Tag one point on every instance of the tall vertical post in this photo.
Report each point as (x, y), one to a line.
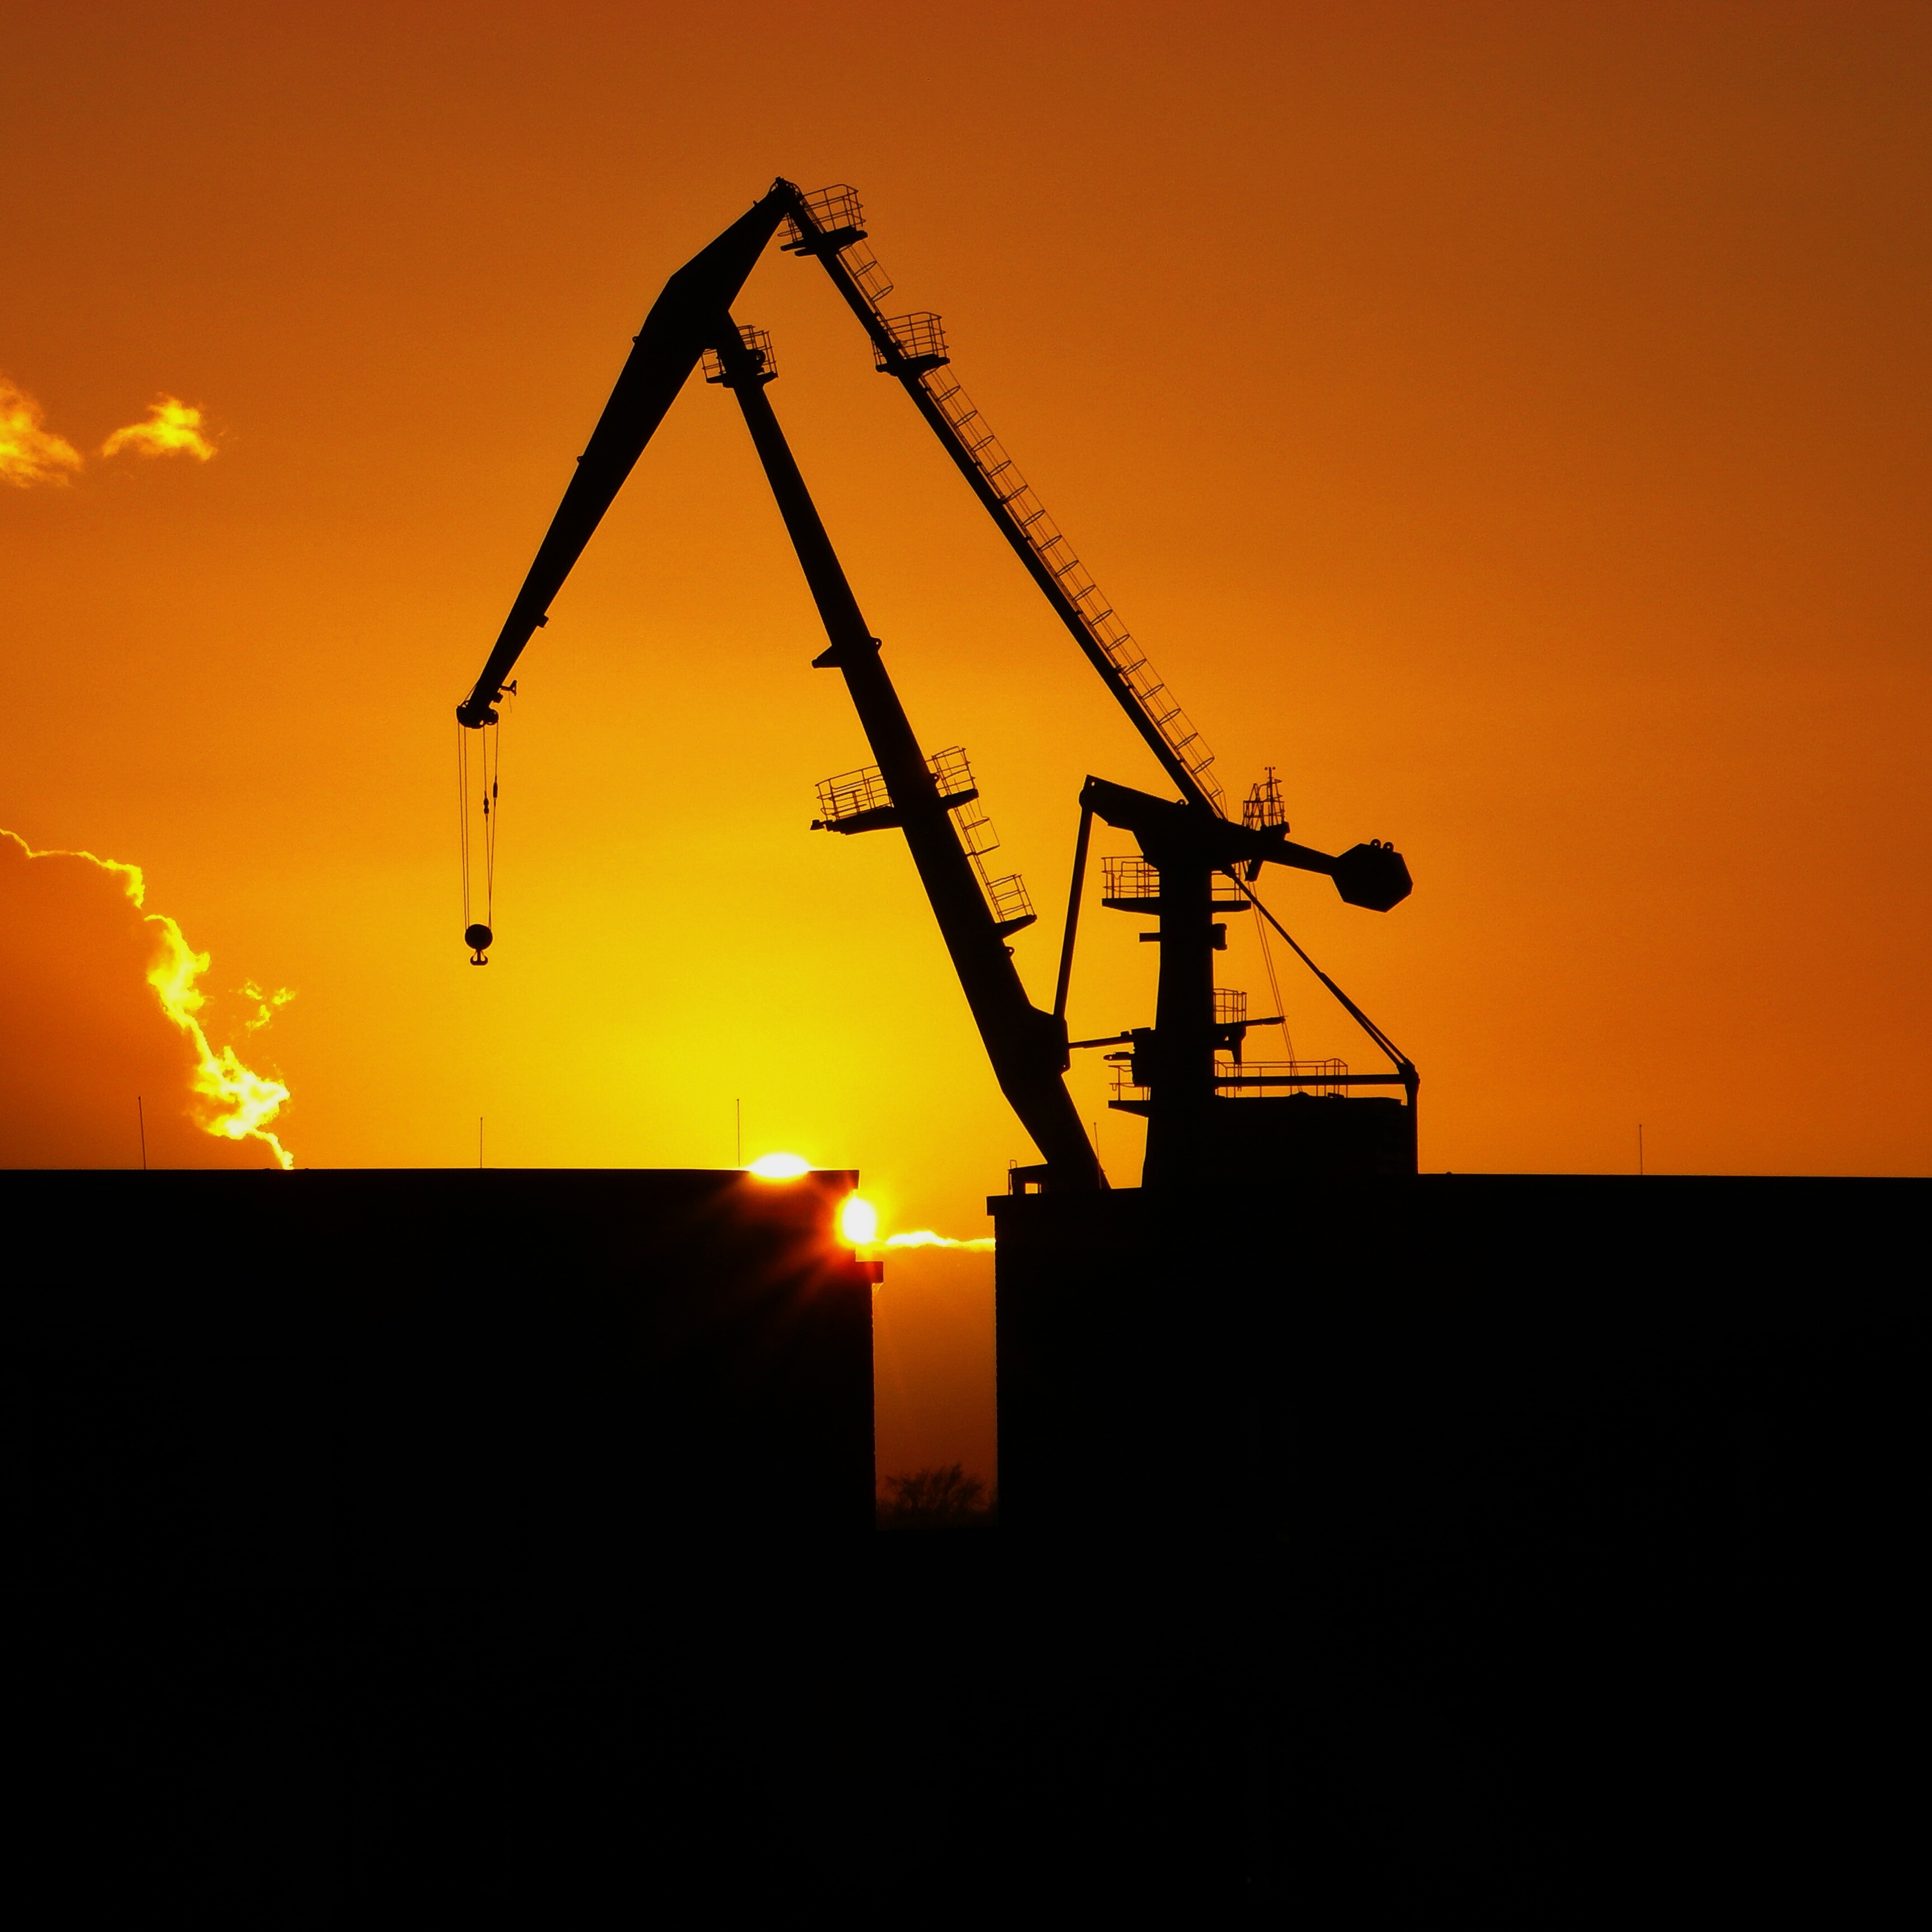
(1066, 979)
(1183, 1083)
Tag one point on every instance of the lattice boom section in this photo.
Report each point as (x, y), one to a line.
(1008, 897)
(1046, 540)
(836, 211)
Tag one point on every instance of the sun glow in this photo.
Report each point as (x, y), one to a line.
(858, 1222)
(779, 1167)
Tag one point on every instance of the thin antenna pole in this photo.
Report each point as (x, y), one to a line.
(141, 1115)
(479, 1140)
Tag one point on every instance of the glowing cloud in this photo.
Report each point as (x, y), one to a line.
(172, 427)
(31, 453)
(240, 1102)
(244, 1102)
(267, 1005)
(924, 1237)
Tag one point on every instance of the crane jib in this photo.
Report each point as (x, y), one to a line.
(664, 352)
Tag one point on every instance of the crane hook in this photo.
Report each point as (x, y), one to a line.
(477, 938)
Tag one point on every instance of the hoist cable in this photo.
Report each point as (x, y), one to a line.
(462, 815)
(1274, 984)
(492, 768)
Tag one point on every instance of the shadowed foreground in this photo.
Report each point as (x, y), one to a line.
(402, 1546)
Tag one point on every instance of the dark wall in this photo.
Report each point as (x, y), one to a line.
(398, 1547)
(1393, 1360)
(1531, 1538)
(446, 1377)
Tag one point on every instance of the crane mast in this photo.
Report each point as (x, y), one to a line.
(1027, 1048)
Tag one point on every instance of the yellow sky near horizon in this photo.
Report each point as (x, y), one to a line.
(1509, 422)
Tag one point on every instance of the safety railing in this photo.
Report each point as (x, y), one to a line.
(841, 225)
(1263, 808)
(758, 345)
(1327, 1078)
(861, 801)
(837, 218)
(1130, 885)
(920, 340)
(1011, 904)
(847, 795)
(950, 771)
(1028, 515)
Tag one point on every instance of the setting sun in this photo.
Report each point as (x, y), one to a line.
(858, 1221)
(779, 1167)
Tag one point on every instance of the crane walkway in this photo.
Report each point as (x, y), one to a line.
(912, 348)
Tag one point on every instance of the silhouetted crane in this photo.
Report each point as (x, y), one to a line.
(1170, 1071)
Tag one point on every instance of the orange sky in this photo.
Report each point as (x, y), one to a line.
(1511, 422)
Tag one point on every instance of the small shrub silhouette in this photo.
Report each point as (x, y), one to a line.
(944, 1497)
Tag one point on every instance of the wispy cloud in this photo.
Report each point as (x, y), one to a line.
(30, 452)
(266, 1004)
(244, 1101)
(173, 428)
(924, 1237)
(230, 1099)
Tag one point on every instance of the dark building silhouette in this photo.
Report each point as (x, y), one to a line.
(1533, 1543)
(386, 1548)
(400, 1544)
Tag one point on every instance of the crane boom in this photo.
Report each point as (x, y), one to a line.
(1027, 1048)
(1017, 513)
(663, 355)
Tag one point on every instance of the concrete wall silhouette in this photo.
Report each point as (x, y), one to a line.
(1514, 1538)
